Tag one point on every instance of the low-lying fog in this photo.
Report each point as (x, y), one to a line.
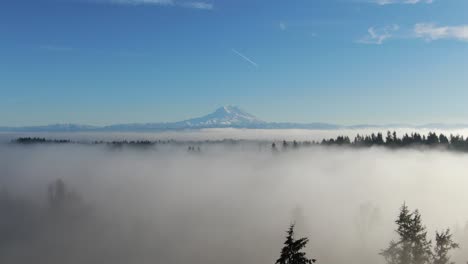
(227, 133)
(226, 204)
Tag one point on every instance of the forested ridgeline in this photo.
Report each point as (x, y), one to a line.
(391, 140)
(455, 142)
(38, 140)
(113, 143)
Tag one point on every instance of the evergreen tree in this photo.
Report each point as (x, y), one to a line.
(407, 140)
(444, 244)
(291, 252)
(389, 140)
(295, 144)
(421, 246)
(432, 139)
(412, 246)
(443, 139)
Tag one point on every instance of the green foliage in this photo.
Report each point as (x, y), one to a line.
(444, 244)
(413, 247)
(457, 143)
(291, 252)
(37, 140)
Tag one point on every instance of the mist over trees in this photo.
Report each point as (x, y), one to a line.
(390, 140)
(225, 204)
(413, 245)
(453, 142)
(26, 221)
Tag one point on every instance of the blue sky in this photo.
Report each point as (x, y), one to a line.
(340, 61)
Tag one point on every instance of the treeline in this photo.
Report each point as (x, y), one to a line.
(391, 140)
(454, 142)
(37, 140)
(141, 143)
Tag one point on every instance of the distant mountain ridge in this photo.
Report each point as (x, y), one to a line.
(223, 117)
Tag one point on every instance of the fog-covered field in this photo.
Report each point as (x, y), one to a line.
(225, 204)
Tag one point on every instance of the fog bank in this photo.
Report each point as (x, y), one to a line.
(222, 205)
(227, 133)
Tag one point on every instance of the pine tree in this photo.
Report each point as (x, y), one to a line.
(444, 244)
(291, 252)
(421, 246)
(412, 246)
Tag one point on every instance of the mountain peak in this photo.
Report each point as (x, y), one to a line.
(230, 110)
(228, 116)
(224, 116)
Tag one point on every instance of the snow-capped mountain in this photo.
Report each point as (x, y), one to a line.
(226, 116)
(223, 117)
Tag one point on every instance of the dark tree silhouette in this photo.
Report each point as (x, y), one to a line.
(291, 252)
(390, 140)
(432, 140)
(443, 139)
(444, 244)
(412, 246)
(295, 144)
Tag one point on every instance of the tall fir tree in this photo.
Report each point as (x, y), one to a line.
(291, 252)
(444, 243)
(421, 247)
(412, 246)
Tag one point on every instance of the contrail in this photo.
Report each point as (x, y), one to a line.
(245, 58)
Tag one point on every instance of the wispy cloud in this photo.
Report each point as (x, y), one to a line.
(430, 32)
(198, 5)
(245, 58)
(186, 4)
(377, 36)
(408, 2)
